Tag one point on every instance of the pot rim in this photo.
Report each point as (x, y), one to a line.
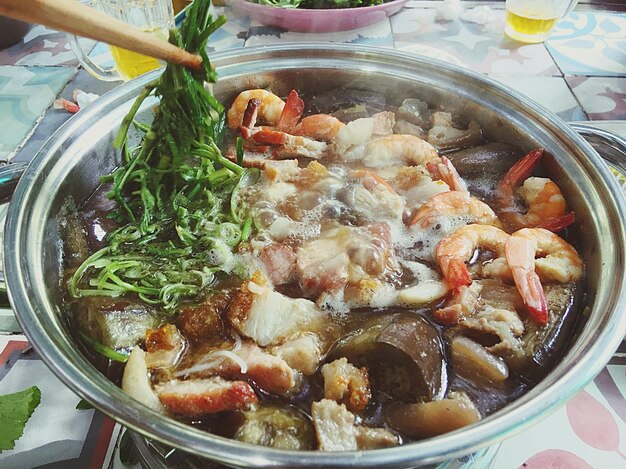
(110, 399)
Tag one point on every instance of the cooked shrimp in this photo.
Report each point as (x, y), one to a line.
(289, 145)
(454, 203)
(536, 254)
(546, 204)
(398, 150)
(444, 171)
(355, 135)
(459, 247)
(373, 198)
(270, 110)
(319, 127)
(371, 179)
(294, 107)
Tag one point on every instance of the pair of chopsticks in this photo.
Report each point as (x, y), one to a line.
(73, 17)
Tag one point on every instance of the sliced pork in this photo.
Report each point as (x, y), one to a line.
(345, 383)
(198, 397)
(269, 317)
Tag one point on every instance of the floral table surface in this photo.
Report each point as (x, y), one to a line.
(579, 74)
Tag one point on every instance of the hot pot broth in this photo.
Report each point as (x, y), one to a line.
(340, 314)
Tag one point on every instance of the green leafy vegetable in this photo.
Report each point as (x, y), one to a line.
(83, 405)
(15, 410)
(174, 191)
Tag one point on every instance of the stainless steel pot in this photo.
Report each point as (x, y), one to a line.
(70, 163)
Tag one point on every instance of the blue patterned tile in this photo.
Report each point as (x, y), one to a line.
(25, 93)
(590, 44)
(550, 92)
(482, 48)
(602, 98)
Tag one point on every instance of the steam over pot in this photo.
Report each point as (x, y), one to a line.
(71, 161)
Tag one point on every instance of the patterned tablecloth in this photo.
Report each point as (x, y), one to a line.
(579, 74)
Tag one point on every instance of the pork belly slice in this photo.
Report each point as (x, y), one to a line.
(164, 346)
(342, 255)
(279, 261)
(203, 322)
(374, 201)
(345, 383)
(198, 397)
(303, 352)
(270, 373)
(281, 170)
(336, 430)
(269, 317)
(334, 426)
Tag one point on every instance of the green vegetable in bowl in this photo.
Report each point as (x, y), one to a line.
(319, 4)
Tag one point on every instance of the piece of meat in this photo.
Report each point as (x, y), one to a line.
(164, 346)
(336, 431)
(281, 170)
(279, 261)
(303, 352)
(347, 384)
(198, 397)
(374, 438)
(444, 136)
(505, 326)
(374, 202)
(136, 380)
(75, 243)
(203, 322)
(334, 426)
(268, 372)
(269, 317)
(322, 264)
(341, 255)
(114, 322)
(461, 306)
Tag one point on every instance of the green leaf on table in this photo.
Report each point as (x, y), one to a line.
(15, 410)
(83, 405)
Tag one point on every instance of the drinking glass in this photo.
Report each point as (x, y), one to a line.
(533, 20)
(153, 16)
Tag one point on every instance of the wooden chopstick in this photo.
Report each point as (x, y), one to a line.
(73, 17)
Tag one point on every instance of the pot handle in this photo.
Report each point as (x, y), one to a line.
(10, 174)
(611, 147)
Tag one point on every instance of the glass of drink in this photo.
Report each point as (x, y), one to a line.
(533, 20)
(153, 16)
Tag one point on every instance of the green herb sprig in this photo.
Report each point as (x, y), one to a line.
(15, 410)
(179, 220)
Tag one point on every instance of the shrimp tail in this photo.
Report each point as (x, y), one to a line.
(294, 107)
(446, 172)
(520, 255)
(520, 170)
(557, 224)
(457, 274)
(529, 285)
